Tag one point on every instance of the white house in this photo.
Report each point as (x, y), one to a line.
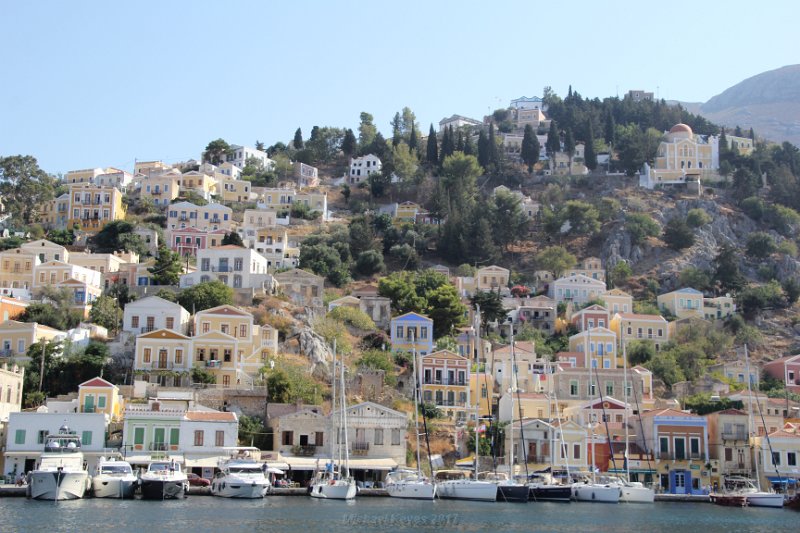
(377, 432)
(181, 215)
(237, 267)
(27, 432)
(204, 435)
(239, 155)
(577, 288)
(152, 313)
(362, 167)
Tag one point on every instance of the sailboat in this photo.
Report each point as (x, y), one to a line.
(406, 483)
(335, 482)
(458, 484)
(592, 491)
(632, 491)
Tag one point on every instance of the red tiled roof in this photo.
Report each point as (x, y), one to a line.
(96, 382)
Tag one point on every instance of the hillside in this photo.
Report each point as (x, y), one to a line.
(768, 102)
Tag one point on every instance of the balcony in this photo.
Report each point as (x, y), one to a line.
(308, 450)
(453, 382)
(221, 268)
(158, 447)
(162, 365)
(735, 435)
(685, 457)
(6, 353)
(359, 448)
(147, 329)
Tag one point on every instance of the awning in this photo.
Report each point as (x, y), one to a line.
(204, 461)
(785, 480)
(314, 463)
(146, 459)
(281, 466)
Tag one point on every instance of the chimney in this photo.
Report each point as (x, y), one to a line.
(155, 406)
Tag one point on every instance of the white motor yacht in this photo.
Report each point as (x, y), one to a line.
(409, 484)
(239, 478)
(61, 474)
(458, 485)
(114, 479)
(164, 480)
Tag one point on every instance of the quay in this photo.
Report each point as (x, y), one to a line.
(694, 498)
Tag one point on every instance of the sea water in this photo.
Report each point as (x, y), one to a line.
(303, 515)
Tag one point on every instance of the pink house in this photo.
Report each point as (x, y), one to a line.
(187, 241)
(786, 369)
(591, 317)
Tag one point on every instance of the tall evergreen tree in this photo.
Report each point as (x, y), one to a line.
(738, 131)
(445, 144)
(469, 146)
(167, 268)
(397, 129)
(432, 152)
(298, 139)
(483, 150)
(349, 143)
(569, 142)
(460, 141)
(752, 135)
(553, 143)
(610, 129)
(530, 148)
(589, 154)
(412, 138)
(494, 156)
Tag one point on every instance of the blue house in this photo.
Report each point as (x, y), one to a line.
(412, 331)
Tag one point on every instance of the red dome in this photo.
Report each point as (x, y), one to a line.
(681, 128)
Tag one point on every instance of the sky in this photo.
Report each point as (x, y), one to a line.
(97, 83)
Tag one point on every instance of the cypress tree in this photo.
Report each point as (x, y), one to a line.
(469, 147)
(589, 153)
(412, 138)
(530, 148)
(483, 150)
(569, 143)
(494, 157)
(349, 143)
(298, 139)
(752, 135)
(445, 143)
(553, 143)
(432, 152)
(610, 129)
(460, 141)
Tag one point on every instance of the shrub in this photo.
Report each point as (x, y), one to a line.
(697, 217)
(678, 235)
(641, 226)
(352, 317)
(760, 245)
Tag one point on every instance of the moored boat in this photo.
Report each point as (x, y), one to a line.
(409, 484)
(458, 485)
(240, 478)
(114, 479)
(60, 474)
(163, 480)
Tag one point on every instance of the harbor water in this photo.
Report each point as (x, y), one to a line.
(301, 514)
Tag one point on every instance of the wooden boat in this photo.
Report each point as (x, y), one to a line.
(729, 500)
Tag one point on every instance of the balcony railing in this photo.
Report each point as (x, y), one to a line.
(158, 447)
(6, 353)
(359, 448)
(308, 450)
(685, 457)
(735, 435)
(459, 382)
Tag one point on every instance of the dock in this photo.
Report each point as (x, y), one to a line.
(693, 498)
(13, 491)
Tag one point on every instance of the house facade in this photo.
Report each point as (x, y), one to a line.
(410, 332)
(362, 167)
(578, 289)
(152, 313)
(301, 286)
(209, 217)
(236, 267)
(100, 396)
(86, 205)
(492, 278)
(446, 383)
(729, 442)
(633, 326)
(683, 303)
(599, 343)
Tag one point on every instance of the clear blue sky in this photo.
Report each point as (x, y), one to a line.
(95, 84)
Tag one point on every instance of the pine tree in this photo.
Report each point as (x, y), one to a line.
(589, 154)
(397, 129)
(349, 143)
(530, 148)
(451, 146)
(167, 268)
(298, 139)
(432, 152)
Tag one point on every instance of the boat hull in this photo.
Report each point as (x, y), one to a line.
(225, 488)
(484, 491)
(551, 493)
(728, 500)
(339, 490)
(765, 500)
(513, 493)
(113, 487)
(596, 493)
(637, 495)
(47, 485)
(163, 489)
(412, 490)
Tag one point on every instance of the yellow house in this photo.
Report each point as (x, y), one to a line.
(85, 175)
(150, 168)
(718, 308)
(16, 337)
(161, 188)
(682, 152)
(99, 396)
(161, 352)
(201, 183)
(16, 269)
(601, 344)
(683, 303)
(617, 301)
(481, 387)
(492, 278)
(632, 326)
(406, 213)
(88, 206)
(233, 190)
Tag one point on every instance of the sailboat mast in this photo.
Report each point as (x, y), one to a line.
(477, 362)
(416, 399)
(513, 392)
(334, 435)
(344, 422)
(750, 427)
(625, 396)
(590, 395)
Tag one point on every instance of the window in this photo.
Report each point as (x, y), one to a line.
(573, 387)
(776, 458)
(378, 437)
(287, 438)
(399, 332)
(791, 458)
(86, 438)
(395, 437)
(423, 332)
(198, 437)
(609, 388)
(680, 448)
(219, 438)
(319, 438)
(174, 436)
(101, 401)
(19, 437)
(178, 357)
(663, 443)
(694, 447)
(147, 355)
(206, 327)
(243, 330)
(42, 435)
(576, 451)
(170, 322)
(201, 354)
(138, 435)
(151, 323)
(135, 321)
(728, 454)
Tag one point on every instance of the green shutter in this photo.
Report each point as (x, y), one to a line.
(19, 437)
(86, 438)
(138, 435)
(101, 401)
(174, 436)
